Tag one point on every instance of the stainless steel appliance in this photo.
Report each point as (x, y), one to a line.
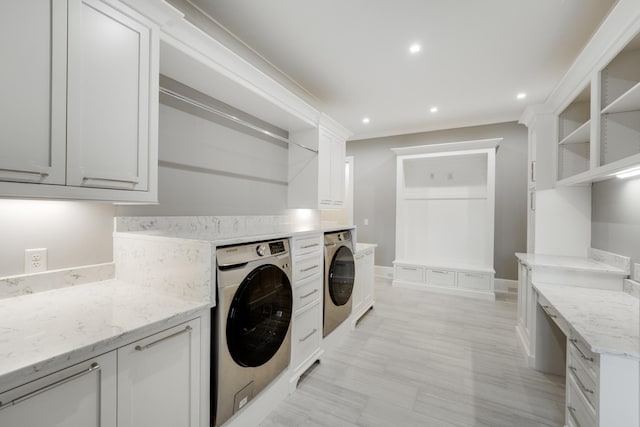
(339, 273)
(252, 331)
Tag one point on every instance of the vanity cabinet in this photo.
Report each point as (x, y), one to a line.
(364, 282)
(308, 279)
(159, 379)
(83, 395)
(79, 120)
(317, 172)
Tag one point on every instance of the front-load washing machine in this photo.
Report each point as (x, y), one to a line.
(252, 332)
(339, 274)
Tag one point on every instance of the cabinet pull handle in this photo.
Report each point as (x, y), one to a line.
(309, 268)
(584, 356)
(582, 387)
(94, 367)
(546, 309)
(25, 174)
(440, 272)
(309, 294)
(309, 246)
(308, 335)
(571, 409)
(409, 268)
(132, 181)
(151, 344)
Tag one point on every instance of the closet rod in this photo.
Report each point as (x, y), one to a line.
(231, 117)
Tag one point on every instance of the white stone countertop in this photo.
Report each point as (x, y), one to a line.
(361, 247)
(609, 321)
(568, 262)
(215, 239)
(46, 329)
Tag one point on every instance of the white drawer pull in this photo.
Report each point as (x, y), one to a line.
(310, 268)
(94, 367)
(151, 344)
(440, 271)
(585, 357)
(409, 268)
(309, 294)
(582, 387)
(309, 335)
(309, 246)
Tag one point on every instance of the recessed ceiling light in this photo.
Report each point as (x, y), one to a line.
(521, 95)
(365, 120)
(434, 109)
(414, 48)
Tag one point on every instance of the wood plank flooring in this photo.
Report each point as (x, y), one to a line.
(424, 359)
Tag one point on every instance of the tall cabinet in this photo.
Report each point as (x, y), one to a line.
(445, 202)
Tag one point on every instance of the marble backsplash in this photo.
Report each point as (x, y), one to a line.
(181, 267)
(13, 286)
(632, 287)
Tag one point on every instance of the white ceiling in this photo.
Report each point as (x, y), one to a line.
(353, 57)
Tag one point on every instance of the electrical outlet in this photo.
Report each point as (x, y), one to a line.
(636, 272)
(366, 221)
(35, 260)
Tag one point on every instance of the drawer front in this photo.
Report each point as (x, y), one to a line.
(441, 277)
(307, 334)
(307, 292)
(583, 377)
(589, 359)
(578, 409)
(409, 273)
(476, 281)
(306, 267)
(307, 245)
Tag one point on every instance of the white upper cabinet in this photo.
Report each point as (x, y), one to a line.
(79, 106)
(32, 105)
(108, 104)
(317, 179)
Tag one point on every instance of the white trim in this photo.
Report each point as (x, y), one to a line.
(448, 148)
(505, 285)
(483, 295)
(384, 272)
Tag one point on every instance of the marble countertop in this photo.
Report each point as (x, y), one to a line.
(361, 247)
(42, 331)
(608, 320)
(568, 262)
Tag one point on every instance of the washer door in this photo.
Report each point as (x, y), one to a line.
(259, 316)
(341, 275)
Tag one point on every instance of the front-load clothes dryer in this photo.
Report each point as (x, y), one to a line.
(339, 274)
(252, 332)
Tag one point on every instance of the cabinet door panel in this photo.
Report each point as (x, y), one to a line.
(337, 171)
(324, 169)
(33, 94)
(83, 395)
(109, 60)
(159, 379)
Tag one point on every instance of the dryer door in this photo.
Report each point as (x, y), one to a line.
(341, 276)
(259, 316)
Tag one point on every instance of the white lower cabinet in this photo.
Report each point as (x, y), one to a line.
(152, 382)
(159, 379)
(363, 286)
(83, 395)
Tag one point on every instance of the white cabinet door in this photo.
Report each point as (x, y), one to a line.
(324, 169)
(83, 395)
(337, 171)
(369, 276)
(359, 283)
(159, 379)
(108, 97)
(33, 95)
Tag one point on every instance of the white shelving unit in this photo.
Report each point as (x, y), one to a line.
(445, 217)
(574, 136)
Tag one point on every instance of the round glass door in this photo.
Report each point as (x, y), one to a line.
(341, 275)
(259, 316)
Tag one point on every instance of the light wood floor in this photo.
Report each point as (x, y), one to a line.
(424, 359)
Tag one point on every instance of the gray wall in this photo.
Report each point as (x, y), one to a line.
(375, 189)
(615, 217)
(208, 168)
(74, 233)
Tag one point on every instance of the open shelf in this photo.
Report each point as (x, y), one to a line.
(629, 101)
(578, 136)
(600, 173)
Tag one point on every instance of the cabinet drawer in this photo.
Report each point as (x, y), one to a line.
(583, 377)
(307, 292)
(409, 273)
(306, 267)
(440, 277)
(306, 336)
(306, 245)
(578, 409)
(476, 281)
(583, 352)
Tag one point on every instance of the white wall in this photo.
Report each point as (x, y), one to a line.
(75, 233)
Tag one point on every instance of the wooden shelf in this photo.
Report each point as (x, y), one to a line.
(578, 136)
(629, 101)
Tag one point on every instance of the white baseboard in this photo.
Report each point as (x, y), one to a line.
(505, 285)
(384, 271)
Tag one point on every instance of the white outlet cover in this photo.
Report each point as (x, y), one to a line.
(35, 260)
